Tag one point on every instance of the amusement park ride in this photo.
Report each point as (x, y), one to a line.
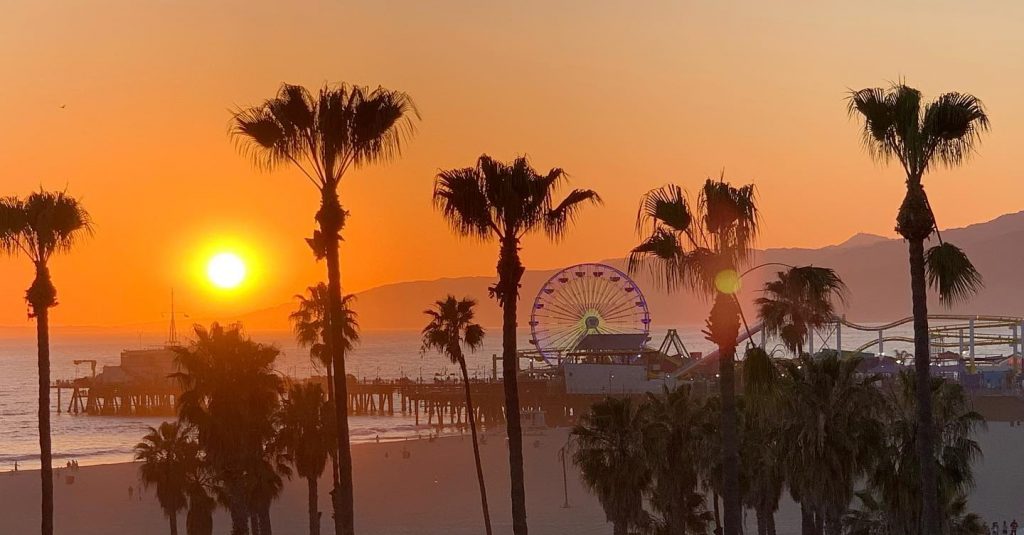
(591, 314)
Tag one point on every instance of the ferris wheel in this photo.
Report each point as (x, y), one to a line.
(585, 299)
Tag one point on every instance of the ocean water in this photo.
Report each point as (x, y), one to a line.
(103, 439)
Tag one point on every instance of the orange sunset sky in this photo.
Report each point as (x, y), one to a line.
(624, 95)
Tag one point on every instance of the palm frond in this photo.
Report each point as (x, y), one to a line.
(459, 197)
(954, 123)
(557, 220)
(951, 273)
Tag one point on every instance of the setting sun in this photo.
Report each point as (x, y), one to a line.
(226, 270)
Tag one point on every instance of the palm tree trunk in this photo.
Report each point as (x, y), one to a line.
(314, 507)
(330, 225)
(806, 520)
(922, 362)
(510, 271)
(718, 513)
(762, 522)
(334, 450)
(724, 326)
(619, 528)
(265, 526)
(173, 519)
(476, 446)
(771, 523)
(42, 314)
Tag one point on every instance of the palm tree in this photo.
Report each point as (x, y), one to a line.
(341, 128)
(672, 441)
(944, 131)
(799, 301)
(610, 455)
(892, 501)
(505, 202)
(831, 417)
(303, 435)
(41, 225)
(229, 396)
(167, 454)
(451, 326)
(701, 247)
(310, 325)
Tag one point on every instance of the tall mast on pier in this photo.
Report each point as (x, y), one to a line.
(172, 334)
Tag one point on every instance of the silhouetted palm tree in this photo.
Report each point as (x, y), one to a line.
(325, 135)
(167, 454)
(505, 202)
(310, 325)
(451, 326)
(304, 435)
(945, 132)
(610, 455)
(891, 503)
(701, 247)
(830, 416)
(41, 225)
(799, 301)
(229, 396)
(672, 443)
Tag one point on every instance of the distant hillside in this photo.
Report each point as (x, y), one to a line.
(874, 267)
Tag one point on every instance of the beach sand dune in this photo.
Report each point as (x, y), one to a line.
(432, 491)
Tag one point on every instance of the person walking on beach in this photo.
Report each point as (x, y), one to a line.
(1013, 527)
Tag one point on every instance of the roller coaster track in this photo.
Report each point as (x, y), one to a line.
(937, 334)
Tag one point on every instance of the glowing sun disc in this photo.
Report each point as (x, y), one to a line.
(226, 270)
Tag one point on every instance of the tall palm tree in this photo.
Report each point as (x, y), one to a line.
(230, 393)
(167, 454)
(304, 436)
(325, 135)
(450, 328)
(504, 202)
(798, 301)
(39, 226)
(701, 247)
(310, 325)
(609, 453)
(831, 416)
(945, 131)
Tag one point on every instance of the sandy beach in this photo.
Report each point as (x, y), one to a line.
(434, 490)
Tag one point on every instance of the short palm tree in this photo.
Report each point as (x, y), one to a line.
(830, 416)
(230, 393)
(310, 322)
(305, 437)
(167, 454)
(945, 131)
(798, 301)
(450, 328)
(310, 325)
(324, 136)
(609, 452)
(700, 247)
(673, 438)
(892, 501)
(39, 226)
(504, 202)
